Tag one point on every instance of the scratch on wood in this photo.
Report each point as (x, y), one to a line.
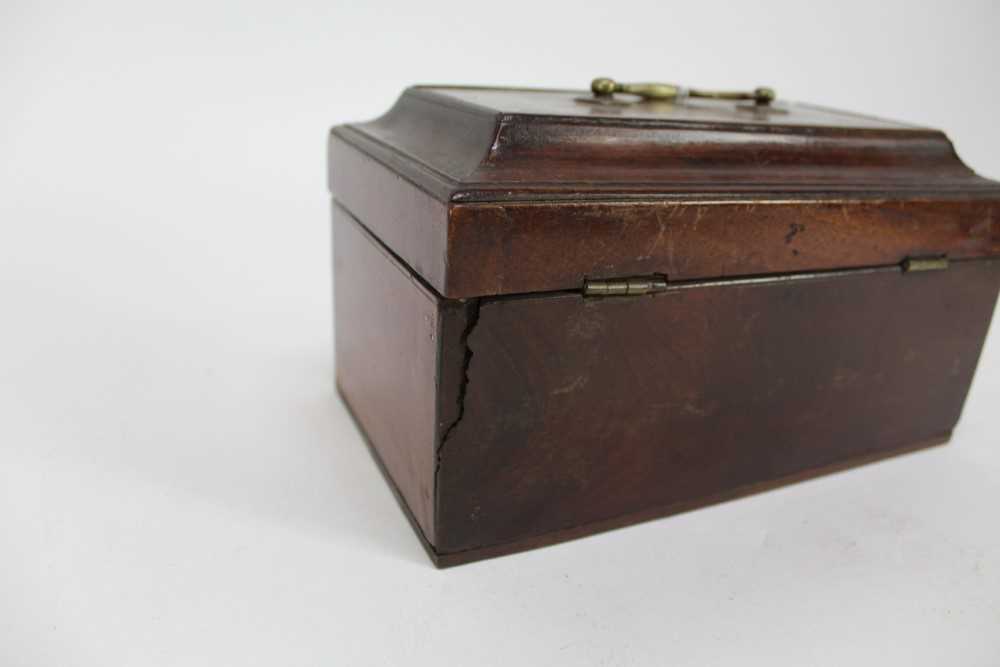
(694, 409)
(844, 213)
(699, 213)
(579, 382)
(662, 229)
(671, 268)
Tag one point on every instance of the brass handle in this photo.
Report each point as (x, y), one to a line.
(603, 87)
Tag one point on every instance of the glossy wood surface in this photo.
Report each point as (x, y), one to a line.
(460, 184)
(508, 411)
(406, 218)
(581, 104)
(518, 248)
(586, 410)
(387, 361)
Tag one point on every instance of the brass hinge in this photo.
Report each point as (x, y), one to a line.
(639, 285)
(911, 264)
(624, 286)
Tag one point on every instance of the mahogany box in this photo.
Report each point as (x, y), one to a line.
(562, 311)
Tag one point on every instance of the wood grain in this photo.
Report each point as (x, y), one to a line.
(488, 192)
(509, 411)
(581, 410)
(387, 343)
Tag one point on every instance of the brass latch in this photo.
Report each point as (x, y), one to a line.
(624, 286)
(911, 264)
(605, 88)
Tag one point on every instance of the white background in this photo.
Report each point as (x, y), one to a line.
(179, 483)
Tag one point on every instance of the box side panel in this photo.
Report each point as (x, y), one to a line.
(584, 412)
(387, 358)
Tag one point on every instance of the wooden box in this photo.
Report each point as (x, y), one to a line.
(559, 312)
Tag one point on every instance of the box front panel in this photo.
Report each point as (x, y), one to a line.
(598, 411)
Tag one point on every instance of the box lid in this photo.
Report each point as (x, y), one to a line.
(488, 191)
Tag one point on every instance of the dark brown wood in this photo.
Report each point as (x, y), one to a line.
(508, 411)
(480, 191)
(580, 410)
(407, 219)
(503, 145)
(518, 248)
(388, 325)
(401, 355)
(443, 560)
(658, 512)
